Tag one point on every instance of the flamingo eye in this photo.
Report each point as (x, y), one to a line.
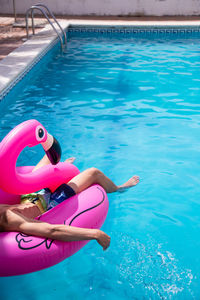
(40, 133)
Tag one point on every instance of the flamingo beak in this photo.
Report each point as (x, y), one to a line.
(52, 149)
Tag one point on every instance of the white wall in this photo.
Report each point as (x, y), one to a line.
(110, 7)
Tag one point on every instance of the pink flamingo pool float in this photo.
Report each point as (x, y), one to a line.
(20, 253)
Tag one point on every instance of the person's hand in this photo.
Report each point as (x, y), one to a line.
(70, 160)
(103, 239)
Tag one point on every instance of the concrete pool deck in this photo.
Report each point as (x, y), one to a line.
(11, 37)
(15, 64)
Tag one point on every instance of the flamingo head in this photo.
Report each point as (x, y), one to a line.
(32, 133)
(48, 142)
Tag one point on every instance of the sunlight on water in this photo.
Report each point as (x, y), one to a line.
(149, 270)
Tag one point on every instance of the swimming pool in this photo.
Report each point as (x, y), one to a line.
(128, 104)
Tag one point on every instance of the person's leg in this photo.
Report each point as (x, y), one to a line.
(45, 161)
(90, 176)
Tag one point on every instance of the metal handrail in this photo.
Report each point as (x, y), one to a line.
(31, 9)
(52, 15)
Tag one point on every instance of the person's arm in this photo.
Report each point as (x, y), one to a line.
(17, 222)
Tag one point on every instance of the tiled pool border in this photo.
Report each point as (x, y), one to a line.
(50, 40)
(134, 30)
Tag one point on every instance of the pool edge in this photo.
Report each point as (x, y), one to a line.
(31, 52)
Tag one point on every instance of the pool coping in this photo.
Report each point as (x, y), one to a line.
(29, 53)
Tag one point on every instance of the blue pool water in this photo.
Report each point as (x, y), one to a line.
(126, 106)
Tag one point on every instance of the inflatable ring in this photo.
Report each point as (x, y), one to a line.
(20, 253)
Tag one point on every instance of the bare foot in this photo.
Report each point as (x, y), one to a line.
(131, 182)
(70, 160)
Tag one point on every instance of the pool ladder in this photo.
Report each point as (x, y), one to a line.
(46, 13)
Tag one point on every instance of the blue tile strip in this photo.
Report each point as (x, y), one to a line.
(126, 31)
(135, 31)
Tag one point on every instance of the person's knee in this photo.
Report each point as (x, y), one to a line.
(95, 173)
(9, 220)
(6, 217)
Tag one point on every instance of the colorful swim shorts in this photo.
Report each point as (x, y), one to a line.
(46, 200)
